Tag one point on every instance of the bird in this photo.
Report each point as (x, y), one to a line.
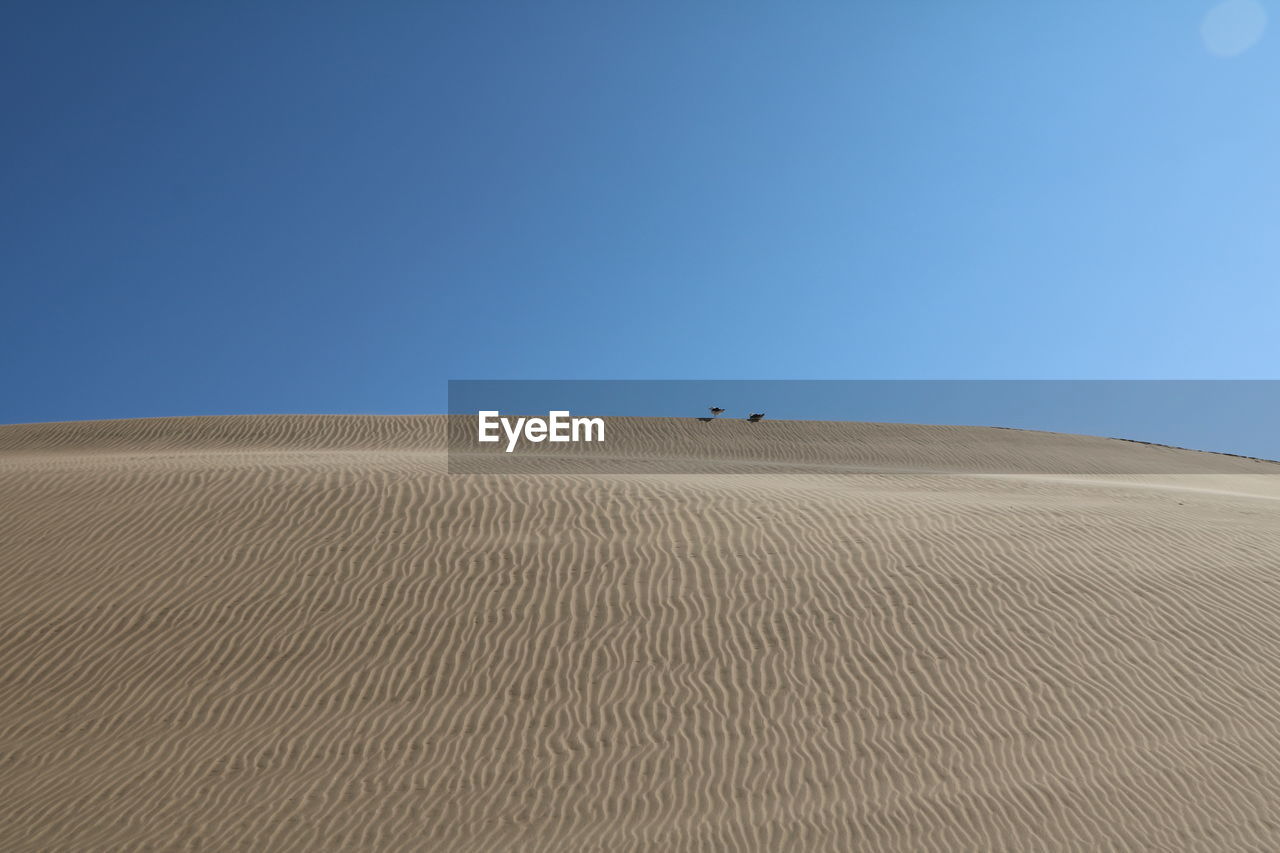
(755, 417)
(716, 410)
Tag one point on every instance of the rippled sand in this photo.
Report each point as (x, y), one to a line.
(300, 633)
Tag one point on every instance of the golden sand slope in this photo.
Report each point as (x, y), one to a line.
(298, 633)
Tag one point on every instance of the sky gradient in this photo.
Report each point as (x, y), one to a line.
(228, 208)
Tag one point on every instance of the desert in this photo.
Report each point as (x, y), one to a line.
(303, 633)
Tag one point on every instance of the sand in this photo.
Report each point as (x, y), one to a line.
(300, 633)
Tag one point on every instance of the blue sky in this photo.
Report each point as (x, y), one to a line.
(231, 208)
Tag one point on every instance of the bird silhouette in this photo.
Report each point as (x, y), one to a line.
(716, 410)
(755, 417)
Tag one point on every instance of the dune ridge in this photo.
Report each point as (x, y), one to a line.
(301, 633)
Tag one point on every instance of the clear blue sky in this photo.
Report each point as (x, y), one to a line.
(263, 207)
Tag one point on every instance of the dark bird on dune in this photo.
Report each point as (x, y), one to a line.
(716, 410)
(755, 417)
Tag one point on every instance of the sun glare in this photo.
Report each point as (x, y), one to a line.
(1231, 28)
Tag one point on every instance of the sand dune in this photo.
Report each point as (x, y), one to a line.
(301, 633)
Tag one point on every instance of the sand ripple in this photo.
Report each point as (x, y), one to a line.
(299, 633)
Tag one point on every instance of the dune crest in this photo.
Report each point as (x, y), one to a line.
(302, 633)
